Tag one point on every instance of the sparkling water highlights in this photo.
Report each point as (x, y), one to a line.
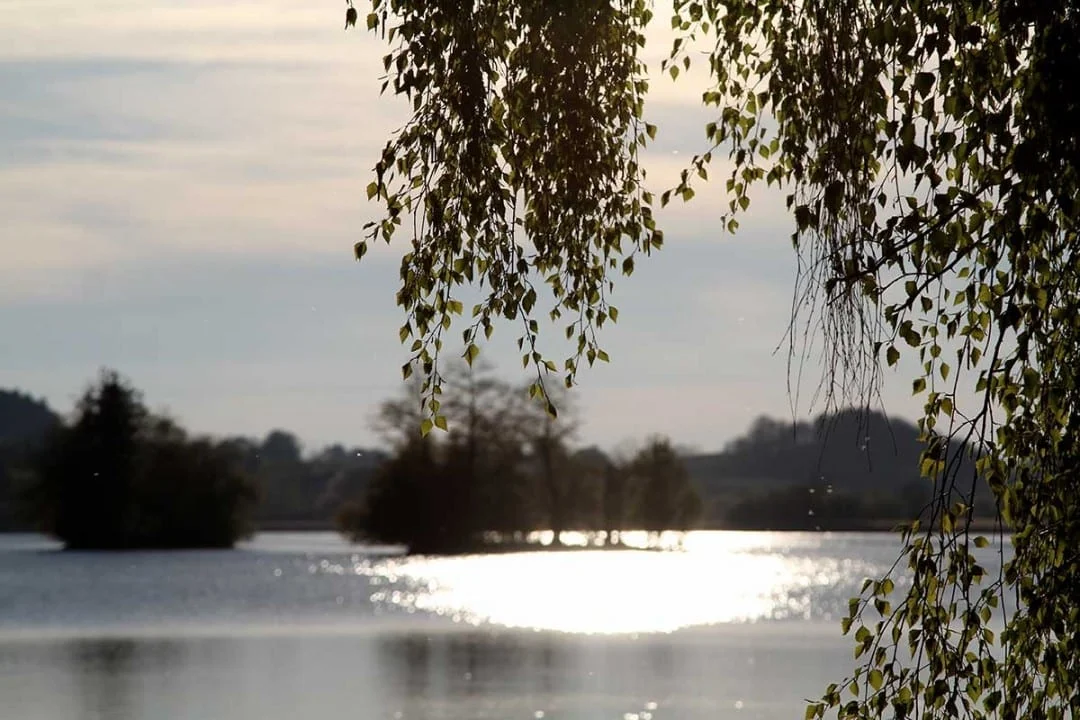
(306, 625)
(715, 578)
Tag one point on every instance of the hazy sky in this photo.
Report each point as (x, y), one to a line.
(181, 184)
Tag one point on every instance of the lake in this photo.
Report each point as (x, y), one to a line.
(304, 625)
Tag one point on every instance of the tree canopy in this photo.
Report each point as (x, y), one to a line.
(930, 160)
(506, 469)
(118, 477)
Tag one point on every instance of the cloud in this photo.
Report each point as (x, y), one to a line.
(126, 159)
(198, 30)
(131, 130)
(181, 185)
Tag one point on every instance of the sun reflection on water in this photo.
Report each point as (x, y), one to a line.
(714, 578)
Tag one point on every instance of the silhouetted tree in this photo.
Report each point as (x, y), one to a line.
(282, 477)
(665, 497)
(401, 505)
(87, 470)
(551, 462)
(119, 477)
(297, 491)
(281, 447)
(487, 416)
(505, 467)
(599, 493)
(188, 492)
(442, 493)
(397, 421)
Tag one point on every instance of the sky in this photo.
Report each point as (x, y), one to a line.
(181, 186)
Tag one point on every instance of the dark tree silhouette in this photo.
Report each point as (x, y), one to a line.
(118, 477)
(665, 497)
(24, 423)
(402, 504)
(559, 477)
(503, 470)
(442, 494)
(87, 471)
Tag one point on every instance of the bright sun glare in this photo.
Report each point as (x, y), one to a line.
(714, 579)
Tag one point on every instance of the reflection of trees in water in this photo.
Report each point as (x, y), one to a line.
(466, 655)
(416, 654)
(104, 671)
(494, 669)
(109, 672)
(661, 659)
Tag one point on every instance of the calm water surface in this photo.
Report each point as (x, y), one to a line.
(738, 625)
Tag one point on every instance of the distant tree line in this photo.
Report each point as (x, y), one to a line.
(292, 490)
(302, 491)
(507, 468)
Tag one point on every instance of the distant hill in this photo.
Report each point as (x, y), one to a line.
(24, 422)
(849, 470)
(858, 457)
(23, 418)
(852, 451)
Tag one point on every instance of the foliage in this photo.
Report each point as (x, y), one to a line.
(187, 492)
(296, 490)
(929, 154)
(933, 180)
(667, 499)
(505, 466)
(85, 480)
(118, 477)
(547, 439)
(442, 496)
(414, 500)
(518, 169)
